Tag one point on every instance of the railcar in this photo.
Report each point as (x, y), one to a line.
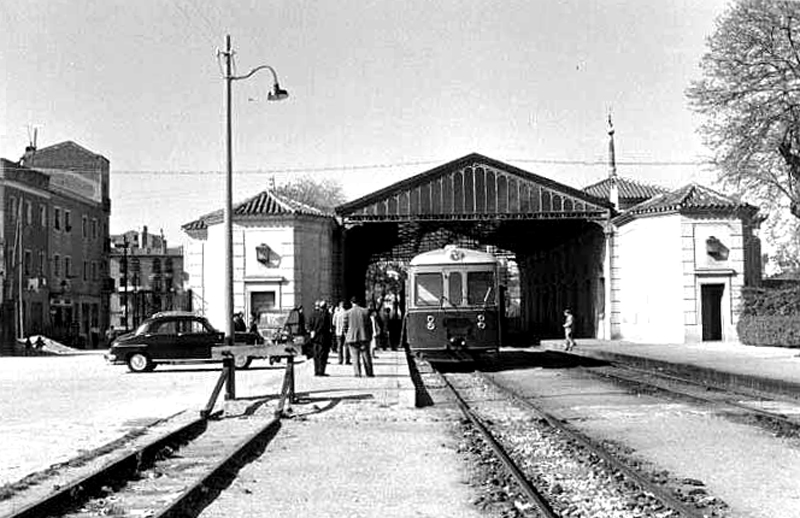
(453, 306)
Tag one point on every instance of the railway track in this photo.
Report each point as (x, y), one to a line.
(570, 474)
(534, 495)
(171, 476)
(780, 413)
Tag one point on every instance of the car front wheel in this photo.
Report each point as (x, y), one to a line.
(139, 362)
(242, 362)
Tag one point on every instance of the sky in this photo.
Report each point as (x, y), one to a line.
(379, 91)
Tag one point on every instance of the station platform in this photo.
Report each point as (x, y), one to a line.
(355, 447)
(773, 370)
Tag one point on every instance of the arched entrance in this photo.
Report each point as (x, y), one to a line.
(552, 232)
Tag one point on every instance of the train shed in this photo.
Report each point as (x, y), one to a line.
(554, 233)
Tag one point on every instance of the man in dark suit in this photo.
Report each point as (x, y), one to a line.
(319, 326)
(359, 334)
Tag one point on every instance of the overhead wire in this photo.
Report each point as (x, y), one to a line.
(393, 165)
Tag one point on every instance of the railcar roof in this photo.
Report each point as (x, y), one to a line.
(453, 255)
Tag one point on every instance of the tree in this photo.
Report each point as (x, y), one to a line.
(781, 237)
(323, 194)
(750, 97)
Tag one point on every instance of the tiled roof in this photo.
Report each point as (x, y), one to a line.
(628, 189)
(691, 197)
(266, 203)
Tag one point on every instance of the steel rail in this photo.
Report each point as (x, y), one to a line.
(178, 507)
(723, 393)
(530, 491)
(121, 468)
(124, 468)
(638, 478)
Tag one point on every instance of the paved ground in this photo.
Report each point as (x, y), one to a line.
(358, 448)
(54, 408)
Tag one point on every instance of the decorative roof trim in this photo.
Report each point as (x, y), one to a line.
(692, 198)
(264, 204)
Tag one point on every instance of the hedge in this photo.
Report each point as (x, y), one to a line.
(773, 330)
(771, 301)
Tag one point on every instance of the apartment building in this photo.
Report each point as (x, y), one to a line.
(55, 212)
(148, 277)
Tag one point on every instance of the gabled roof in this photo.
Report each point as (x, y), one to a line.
(628, 189)
(691, 198)
(474, 187)
(265, 203)
(67, 144)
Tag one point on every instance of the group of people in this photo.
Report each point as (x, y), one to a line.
(354, 333)
(239, 325)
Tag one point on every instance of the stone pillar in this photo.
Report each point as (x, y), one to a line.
(606, 327)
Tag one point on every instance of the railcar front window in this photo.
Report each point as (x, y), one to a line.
(454, 284)
(480, 288)
(428, 289)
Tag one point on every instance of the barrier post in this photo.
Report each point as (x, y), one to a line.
(287, 389)
(290, 366)
(223, 375)
(230, 382)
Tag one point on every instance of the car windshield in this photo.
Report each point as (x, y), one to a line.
(143, 327)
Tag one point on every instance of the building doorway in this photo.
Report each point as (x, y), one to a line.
(711, 297)
(261, 301)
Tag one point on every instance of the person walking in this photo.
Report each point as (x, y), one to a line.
(358, 337)
(376, 332)
(339, 330)
(319, 326)
(569, 323)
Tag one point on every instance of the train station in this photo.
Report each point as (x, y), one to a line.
(632, 261)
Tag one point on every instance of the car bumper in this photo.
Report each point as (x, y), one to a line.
(113, 359)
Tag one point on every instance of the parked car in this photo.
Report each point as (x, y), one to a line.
(176, 337)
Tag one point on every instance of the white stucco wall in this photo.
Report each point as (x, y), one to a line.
(193, 267)
(647, 294)
(301, 275)
(214, 276)
(701, 268)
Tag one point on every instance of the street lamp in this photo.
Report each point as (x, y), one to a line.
(276, 94)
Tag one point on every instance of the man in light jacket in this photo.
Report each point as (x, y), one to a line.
(340, 330)
(359, 334)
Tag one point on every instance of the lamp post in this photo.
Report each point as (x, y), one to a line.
(276, 94)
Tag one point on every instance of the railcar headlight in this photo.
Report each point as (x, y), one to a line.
(458, 342)
(431, 323)
(481, 321)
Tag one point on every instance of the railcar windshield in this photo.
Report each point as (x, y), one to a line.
(428, 289)
(480, 288)
(454, 284)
